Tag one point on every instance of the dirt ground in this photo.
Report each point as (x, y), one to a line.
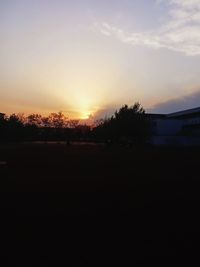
(92, 204)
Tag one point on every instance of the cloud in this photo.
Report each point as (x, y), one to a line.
(181, 33)
(185, 102)
(106, 112)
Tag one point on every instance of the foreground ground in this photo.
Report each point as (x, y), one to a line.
(91, 204)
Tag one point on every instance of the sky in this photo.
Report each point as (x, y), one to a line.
(89, 57)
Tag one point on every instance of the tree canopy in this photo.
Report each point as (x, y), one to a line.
(127, 123)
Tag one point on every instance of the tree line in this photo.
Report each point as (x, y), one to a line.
(35, 127)
(129, 124)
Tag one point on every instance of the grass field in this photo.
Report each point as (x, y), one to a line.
(92, 204)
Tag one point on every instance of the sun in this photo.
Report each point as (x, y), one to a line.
(85, 115)
(86, 106)
(83, 105)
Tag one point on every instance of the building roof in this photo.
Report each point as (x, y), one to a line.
(184, 113)
(176, 115)
(155, 115)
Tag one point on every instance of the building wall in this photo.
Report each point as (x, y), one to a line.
(180, 130)
(167, 127)
(192, 121)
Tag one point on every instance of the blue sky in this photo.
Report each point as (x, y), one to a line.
(90, 56)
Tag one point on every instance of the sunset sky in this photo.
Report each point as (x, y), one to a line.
(87, 57)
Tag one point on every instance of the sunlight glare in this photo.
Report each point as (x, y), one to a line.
(86, 106)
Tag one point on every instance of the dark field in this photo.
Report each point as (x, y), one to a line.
(91, 204)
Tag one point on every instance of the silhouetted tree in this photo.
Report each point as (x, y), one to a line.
(3, 124)
(35, 119)
(128, 124)
(73, 123)
(15, 127)
(58, 120)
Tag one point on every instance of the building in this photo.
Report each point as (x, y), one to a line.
(178, 128)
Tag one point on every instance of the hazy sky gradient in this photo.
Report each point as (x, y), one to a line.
(91, 56)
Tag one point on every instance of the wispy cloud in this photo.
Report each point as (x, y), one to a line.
(180, 33)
